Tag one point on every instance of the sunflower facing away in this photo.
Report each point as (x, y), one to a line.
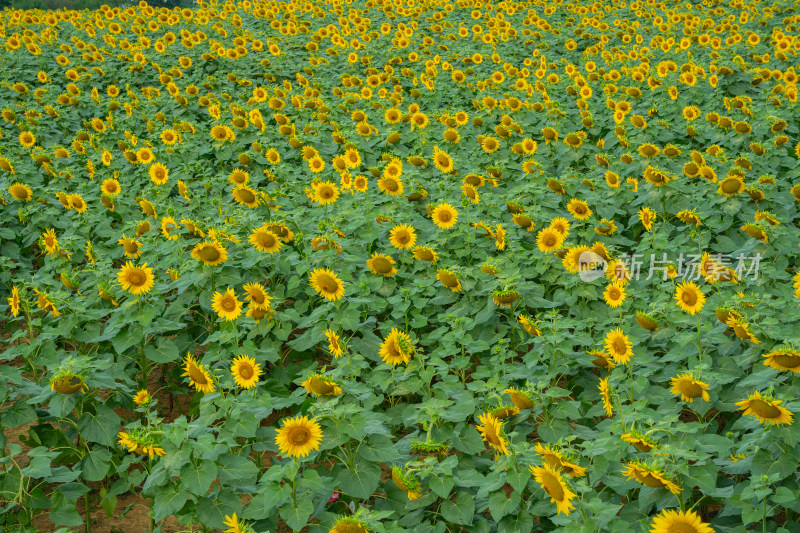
(640, 441)
(321, 386)
(689, 297)
(650, 476)
(449, 279)
(226, 305)
(557, 461)
(554, 485)
(298, 437)
(327, 284)
(765, 409)
(688, 388)
(786, 360)
(407, 481)
(136, 280)
(605, 395)
(198, 376)
(671, 521)
(349, 524)
(491, 429)
(519, 398)
(245, 371)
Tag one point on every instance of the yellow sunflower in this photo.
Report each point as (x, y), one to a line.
(321, 386)
(131, 246)
(396, 348)
(136, 280)
(327, 284)
(765, 409)
(605, 395)
(614, 294)
(246, 196)
(444, 216)
(245, 371)
(618, 347)
(424, 253)
(198, 376)
(226, 305)
(688, 388)
(159, 174)
(326, 193)
(257, 296)
(491, 429)
(20, 191)
(519, 398)
(671, 521)
(334, 343)
(650, 476)
(449, 279)
(549, 240)
(555, 459)
(298, 436)
(382, 265)
(210, 253)
(579, 209)
(14, 301)
(265, 240)
(554, 485)
(787, 360)
(403, 236)
(689, 297)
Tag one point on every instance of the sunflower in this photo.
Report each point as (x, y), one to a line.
(131, 246)
(449, 279)
(298, 437)
(327, 284)
(529, 326)
(641, 442)
(257, 296)
(741, 328)
(689, 297)
(246, 196)
(67, 382)
(549, 239)
(442, 160)
(403, 236)
(601, 360)
(524, 221)
(110, 187)
(555, 487)
(605, 394)
(198, 376)
(579, 209)
(731, 186)
(210, 253)
(424, 253)
(444, 216)
(519, 398)
(14, 301)
(555, 459)
(136, 280)
(382, 265)
(226, 305)
(787, 360)
(264, 240)
(27, 139)
(688, 388)
(49, 241)
(159, 174)
(491, 429)
(245, 371)
(647, 217)
(325, 193)
(614, 294)
(334, 343)
(407, 481)
(688, 217)
(142, 397)
(391, 186)
(765, 409)
(321, 386)
(646, 321)
(396, 348)
(618, 347)
(650, 476)
(349, 524)
(670, 521)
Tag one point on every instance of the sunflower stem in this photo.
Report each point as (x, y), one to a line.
(699, 344)
(764, 521)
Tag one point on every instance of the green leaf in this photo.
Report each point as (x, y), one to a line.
(168, 500)
(101, 427)
(297, 517)
(500, 506)
(360, 483)
(165, 351)
(441, 486)
(235, 469)
(198, 478)
(95, 464)
(462, 511)
(64, 512)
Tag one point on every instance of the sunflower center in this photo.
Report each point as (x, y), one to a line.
(553, 487)
(403, 237)
(328, 284)
(326, 192)
(445, 216)
(613, 293)
(764, 409)
(246, 196)
(257, 297)
(246, 371)
(196, 374)
(382, 265)
(449, 280)
(550, 240)
(131, 247)
(209, 253)
(391, 185)
(266, 240)
(619, 346)
(228, 304)
(681, 527)
(299, 436)
(787, 360)
(689, 297)
(691, 389)
(136, 278)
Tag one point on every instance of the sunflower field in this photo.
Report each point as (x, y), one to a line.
(358, 266)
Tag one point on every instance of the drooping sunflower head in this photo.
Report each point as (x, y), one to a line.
(689, 388)
(397, 348)
(555, 486)
(520, 398)
(449, 279)
(491, 429)
(767, 410)
(639, 440)
(786, 359)
(320, 385)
